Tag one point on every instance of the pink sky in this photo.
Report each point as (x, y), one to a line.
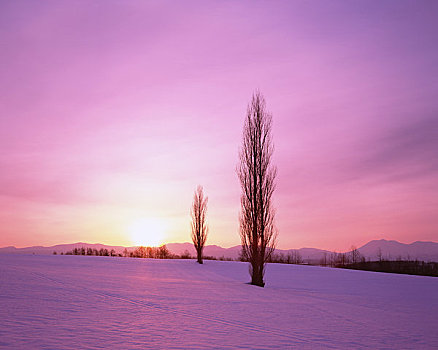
(113, 112)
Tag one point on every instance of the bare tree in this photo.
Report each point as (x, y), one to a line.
(355, 255)
(323, 261)
(379, 254)
(199, 225)
(257, 179)
(296, 257)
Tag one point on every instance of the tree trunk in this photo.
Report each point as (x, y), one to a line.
(199, 254)
(257, 275)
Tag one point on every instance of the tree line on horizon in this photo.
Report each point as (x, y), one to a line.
(90, 252)
(349, 260)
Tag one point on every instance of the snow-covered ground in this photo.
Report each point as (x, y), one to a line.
(70, 302)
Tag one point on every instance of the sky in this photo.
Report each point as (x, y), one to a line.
(112, 112)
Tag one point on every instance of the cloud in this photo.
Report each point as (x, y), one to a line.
(404, 152)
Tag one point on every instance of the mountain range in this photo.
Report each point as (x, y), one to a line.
(425, 251)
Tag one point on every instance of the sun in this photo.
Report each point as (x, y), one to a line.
(149, 232)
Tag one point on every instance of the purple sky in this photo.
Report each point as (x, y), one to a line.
(112, 113)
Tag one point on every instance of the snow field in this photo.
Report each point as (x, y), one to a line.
(70, 302)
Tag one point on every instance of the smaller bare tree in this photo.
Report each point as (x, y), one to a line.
(199, 225)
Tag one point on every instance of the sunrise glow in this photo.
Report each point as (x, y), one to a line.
(149, 232)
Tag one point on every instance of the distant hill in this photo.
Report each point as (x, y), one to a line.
(427, 251)
(60, 248)
(209, 250)
(308, 254)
